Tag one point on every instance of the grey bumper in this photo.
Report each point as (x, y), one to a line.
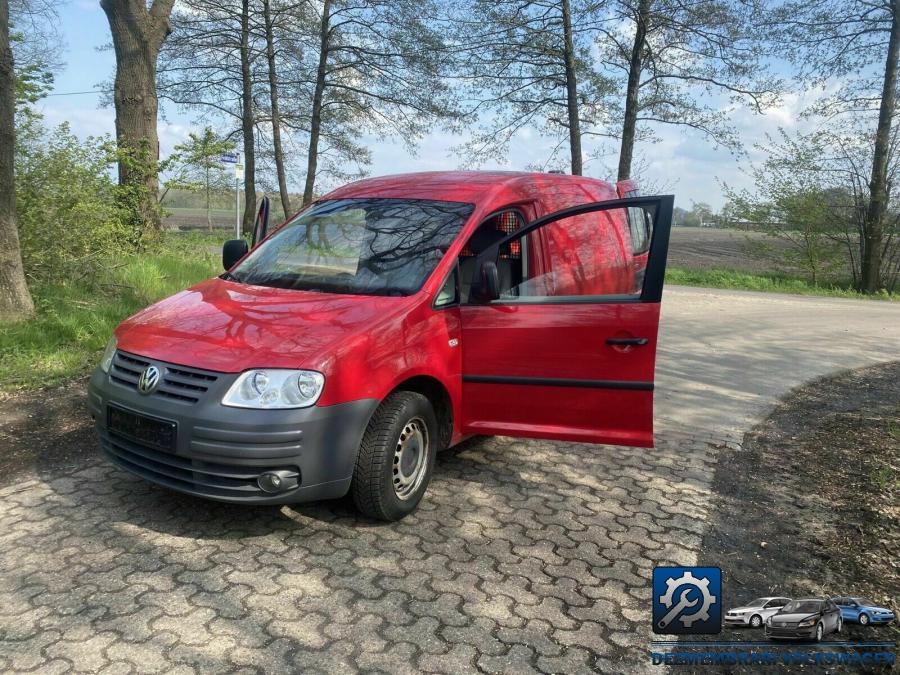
(220, 452)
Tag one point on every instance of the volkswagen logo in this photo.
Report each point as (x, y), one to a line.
(783, 624)
(149, 380)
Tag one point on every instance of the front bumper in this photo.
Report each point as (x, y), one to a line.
(220, 452)
(735, 621)
(788, 633)
(881, 619)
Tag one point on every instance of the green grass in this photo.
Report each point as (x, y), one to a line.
(733, 279)
(74, 321)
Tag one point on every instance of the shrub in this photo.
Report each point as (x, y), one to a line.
(72, 218)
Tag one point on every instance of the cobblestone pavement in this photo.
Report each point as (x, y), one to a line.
(524, 555)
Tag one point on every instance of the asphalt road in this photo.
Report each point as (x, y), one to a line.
(526, 555)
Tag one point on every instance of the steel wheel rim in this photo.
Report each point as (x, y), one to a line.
(410, 458)
(755, 621)
(819, 632)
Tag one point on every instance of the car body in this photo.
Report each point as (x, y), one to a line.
(755, 613)
(471, 302)
(864, 611)
(806, 618)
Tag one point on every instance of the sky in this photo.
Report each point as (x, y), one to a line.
(682, 162)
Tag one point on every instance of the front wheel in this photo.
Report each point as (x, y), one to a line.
(840, 624)
(820, 632)
(396, 457)
(755, 621)
(864, 619)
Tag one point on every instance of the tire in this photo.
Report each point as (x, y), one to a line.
(396, 457)
(820, 632)
(755, 621)
(840, 624)
(864, 619)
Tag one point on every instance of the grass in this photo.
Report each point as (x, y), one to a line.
(74, 321)
(767, 283)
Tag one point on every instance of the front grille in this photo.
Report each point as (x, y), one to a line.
(212, 479)
(178, 383)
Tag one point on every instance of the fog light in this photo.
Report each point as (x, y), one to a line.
(277, 481)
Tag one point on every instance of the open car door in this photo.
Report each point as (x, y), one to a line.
(564, 345)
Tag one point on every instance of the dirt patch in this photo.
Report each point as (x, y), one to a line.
(44, 432)
(810, 505)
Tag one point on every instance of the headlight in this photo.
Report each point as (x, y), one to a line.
(274, 389)
(769, 621)
(807, 623)
(744, 613)
(108, 354)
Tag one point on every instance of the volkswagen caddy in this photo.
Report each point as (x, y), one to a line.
(388, 320)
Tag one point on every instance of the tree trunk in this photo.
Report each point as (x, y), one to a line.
(873, 233)
(15, 301)
(248, 122)
(138, 34)
(316, 119)
(629, 124)
(276, 117)
(571, 91)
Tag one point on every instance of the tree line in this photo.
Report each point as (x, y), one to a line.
(303, 83)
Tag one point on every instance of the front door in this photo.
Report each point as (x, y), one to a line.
(568, 350)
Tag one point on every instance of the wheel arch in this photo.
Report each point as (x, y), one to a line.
(438, 395)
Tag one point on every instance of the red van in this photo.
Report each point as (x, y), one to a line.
(386, 321)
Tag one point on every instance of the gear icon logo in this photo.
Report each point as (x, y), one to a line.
(687, 600)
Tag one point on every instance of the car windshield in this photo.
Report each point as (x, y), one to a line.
(802, 607)
(759, 602)
(360, 246)
(865, 602)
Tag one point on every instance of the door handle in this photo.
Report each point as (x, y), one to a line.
(623, 342)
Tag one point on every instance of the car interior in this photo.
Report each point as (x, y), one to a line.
(509, 263)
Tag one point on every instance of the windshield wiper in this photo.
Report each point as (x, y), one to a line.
(228, 276)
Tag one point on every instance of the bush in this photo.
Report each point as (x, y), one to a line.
(72, 217)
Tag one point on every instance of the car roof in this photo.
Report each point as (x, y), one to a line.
(807, 599)
(474, 187)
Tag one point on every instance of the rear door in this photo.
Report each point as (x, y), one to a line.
(569, 349)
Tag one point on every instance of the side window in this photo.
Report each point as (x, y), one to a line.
(639, 226)
(580, 255)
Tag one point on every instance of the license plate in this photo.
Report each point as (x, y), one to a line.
(140, 428)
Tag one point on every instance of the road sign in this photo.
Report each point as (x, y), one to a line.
(228, 158)
(239, 171)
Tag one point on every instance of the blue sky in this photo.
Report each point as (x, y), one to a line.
(681, 161)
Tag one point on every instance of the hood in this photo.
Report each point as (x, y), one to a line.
(228, 327)
(792, 618)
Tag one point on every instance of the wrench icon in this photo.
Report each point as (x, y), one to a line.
(680, 605)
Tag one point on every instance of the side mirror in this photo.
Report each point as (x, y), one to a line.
(232, 251)
(489, 282)
(261, 226)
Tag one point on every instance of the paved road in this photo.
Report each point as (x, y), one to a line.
(525, 556)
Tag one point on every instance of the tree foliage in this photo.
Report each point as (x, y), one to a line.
(512, 64)
(72, 216)
(812, 192)
(196, 167)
